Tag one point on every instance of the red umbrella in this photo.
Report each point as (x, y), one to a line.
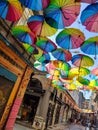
(38, 25)
(10, 10)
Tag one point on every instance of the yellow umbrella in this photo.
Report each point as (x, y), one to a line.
(78, 72)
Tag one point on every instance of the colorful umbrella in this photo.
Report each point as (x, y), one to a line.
(63, 13)
(28, 48)
(60, 65)
(39, 66)
(70, 87)
(52, 77)
(86, 1)
(81, 60)
(45, 44)
(36, 5)
(89, 17)
(83, 81)
(62, 55)
(90, 46)
(78, 72)
(95, 71)
(24, 34)
(38, 25)
(10, 10)
(70, 38)
(93, 83)
(43, 58)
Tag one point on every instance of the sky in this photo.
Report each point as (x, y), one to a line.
(77, 24)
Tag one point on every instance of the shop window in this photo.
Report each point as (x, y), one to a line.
(30, 102)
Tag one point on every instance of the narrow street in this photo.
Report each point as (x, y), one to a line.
(55, 127)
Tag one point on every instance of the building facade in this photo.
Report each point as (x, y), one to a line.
(26, 96)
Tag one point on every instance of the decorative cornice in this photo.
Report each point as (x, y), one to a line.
(10, 60)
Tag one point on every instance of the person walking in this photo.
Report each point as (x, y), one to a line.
(74, 126)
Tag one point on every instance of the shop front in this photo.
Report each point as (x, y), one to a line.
(30, 103)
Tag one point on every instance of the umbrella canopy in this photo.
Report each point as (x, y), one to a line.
(36, 5)
(95, 71)
(38, 25)
(52, 77)
(70, 87)
(10, 10)
(43, 58)
(58, 65)
(28, 48)
(86, 1)
(90, 46)
(78, 72)
(62, 55)
(70, 38)
(89, 17)
(81, 60)
(24, 34)
(63, 13)
(39, 66)
(83, 81)
(45, 44)
(93, 83)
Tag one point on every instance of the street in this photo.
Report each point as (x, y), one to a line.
(55, 127)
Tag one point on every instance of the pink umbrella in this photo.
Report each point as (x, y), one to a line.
(95, 71)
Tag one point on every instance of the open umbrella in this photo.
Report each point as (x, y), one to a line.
(24, 34)
(95, 71)
(52, 77)
(28, 48)
(40, 66)
(89, 17)
(38, 25)
(81, 60)
(43, 58)
(10, 10)
(83, 81)
(60, 65)
(86, 1)
(36, 5)
(62, 55)
(70, 87)
(90, 46)
(64, 13)
(76, 72)
(70, 38)
(93, 83)
(45, 44)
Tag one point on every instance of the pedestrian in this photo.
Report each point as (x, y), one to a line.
(74, 126)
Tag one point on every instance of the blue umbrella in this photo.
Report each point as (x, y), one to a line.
(36, 5)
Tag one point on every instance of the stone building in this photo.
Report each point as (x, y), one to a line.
(26, 96)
